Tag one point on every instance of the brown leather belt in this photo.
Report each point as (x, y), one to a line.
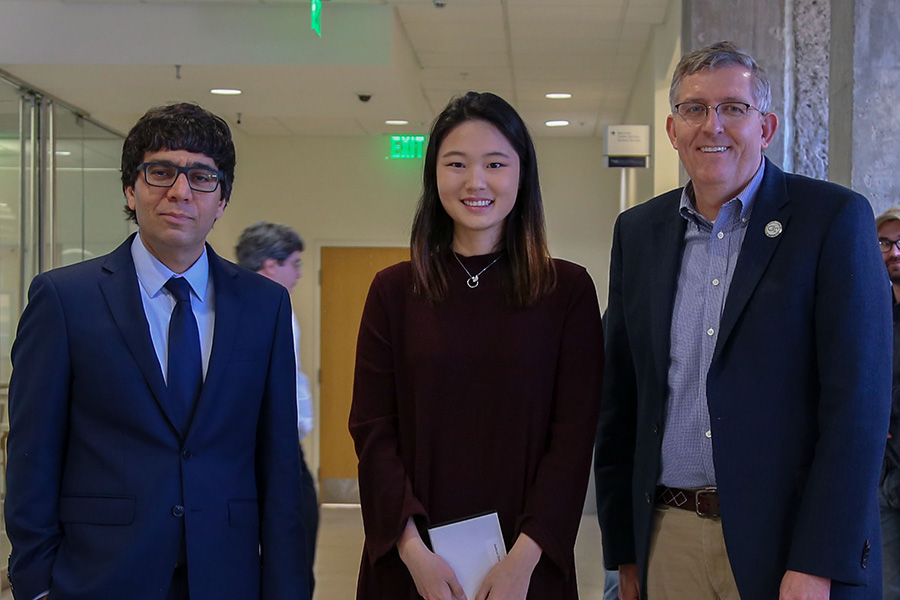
(703, 501)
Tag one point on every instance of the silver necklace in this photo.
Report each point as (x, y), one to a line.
(472, 281)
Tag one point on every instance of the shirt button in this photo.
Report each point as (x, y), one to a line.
(186, 454)
(720, 235)
(709, 433)
(710, 331)
(715, 282)
(178, 510)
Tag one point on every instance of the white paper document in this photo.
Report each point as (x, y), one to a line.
(471, 547)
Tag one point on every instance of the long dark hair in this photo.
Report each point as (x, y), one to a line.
(532, 274)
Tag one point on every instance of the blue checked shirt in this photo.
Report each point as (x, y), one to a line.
(711, 252)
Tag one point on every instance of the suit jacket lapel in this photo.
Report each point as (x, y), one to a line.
(228, 310)
(771, 204)
(123, 298)
(666, 239)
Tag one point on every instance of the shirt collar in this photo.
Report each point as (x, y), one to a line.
(153, 274)
(746, 196)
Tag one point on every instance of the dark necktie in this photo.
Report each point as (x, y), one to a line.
(184, 376)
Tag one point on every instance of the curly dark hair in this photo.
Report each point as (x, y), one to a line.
(183, 126)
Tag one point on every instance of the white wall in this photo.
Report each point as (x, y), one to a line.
(649, 105)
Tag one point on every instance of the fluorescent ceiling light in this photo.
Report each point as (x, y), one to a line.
(396, 122)
(225, 92)
(558, 96)
(63, 153)
(557, 123)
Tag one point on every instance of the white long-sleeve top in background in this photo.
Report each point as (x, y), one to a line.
(304, 397)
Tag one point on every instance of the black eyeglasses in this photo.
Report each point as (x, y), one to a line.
(200, 179)
(886, 245)
(695, 113)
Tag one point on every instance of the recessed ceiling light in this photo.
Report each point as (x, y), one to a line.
(558, 96)
(557, 123)
(396, 122)
(63, 153)
(225, 92)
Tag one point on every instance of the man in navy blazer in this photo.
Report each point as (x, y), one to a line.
(748, 374)
(119, 484)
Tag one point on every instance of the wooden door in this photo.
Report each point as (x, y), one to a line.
(347, 273)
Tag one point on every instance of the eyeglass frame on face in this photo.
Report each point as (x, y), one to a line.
(885, 245)
(178, 172)
(726, 118)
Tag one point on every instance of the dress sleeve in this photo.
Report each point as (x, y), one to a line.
(555, 501)
(385, 489)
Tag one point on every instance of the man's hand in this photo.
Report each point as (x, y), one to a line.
(434, 578)
(509, 579)
(800, 586)
(629, 582)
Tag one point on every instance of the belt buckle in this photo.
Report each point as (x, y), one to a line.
(702, 492)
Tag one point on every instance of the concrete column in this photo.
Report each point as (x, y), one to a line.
(808, 63)
(864, 116)
(757, 28)
(790, 39)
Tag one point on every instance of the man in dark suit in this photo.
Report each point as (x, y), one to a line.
(153, 440)
(748, 371)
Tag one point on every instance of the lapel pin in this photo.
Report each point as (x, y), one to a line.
(773, 229)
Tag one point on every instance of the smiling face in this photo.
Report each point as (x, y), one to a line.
(477, 181)
(720, 157)
(175, 221)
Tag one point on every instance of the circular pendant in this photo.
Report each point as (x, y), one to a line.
(472, 282)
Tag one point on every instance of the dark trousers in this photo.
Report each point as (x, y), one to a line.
(310, 518)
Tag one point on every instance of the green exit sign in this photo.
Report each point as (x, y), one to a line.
(408, 146)
(315, 16)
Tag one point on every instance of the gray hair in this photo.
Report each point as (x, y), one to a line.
(266, 240)
(723, 54)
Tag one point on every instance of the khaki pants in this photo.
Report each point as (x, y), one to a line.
(688, 559)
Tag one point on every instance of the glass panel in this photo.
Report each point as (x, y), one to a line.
(10, 221)
(89, 220)
(12, 125)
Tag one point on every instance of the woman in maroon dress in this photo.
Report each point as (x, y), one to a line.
(478, 374)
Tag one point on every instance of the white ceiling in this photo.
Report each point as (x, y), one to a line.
(115, 58)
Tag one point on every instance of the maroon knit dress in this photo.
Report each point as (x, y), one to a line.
(471, 406)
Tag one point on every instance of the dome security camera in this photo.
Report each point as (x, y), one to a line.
(364, 97)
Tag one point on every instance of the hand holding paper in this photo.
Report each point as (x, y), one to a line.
(434, 578)
(509, 579)
(472, 547)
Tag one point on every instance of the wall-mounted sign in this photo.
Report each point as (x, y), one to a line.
(408, 146)
(315, 16)
(627, 145)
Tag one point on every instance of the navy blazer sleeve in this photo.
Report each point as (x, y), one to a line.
(853, 339)
(278, 471)
(38, 414)
(614, 452)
